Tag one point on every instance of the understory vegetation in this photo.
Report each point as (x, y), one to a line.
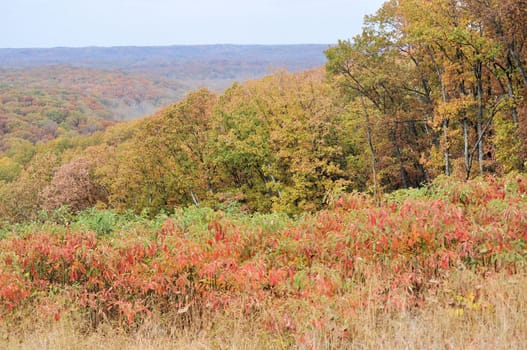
(447, 255)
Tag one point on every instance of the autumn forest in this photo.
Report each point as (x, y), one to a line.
(372, 196)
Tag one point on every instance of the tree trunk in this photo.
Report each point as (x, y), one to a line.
(274, 180)
(398, 154)
(372, 149)
(518, 63)
(194, 198)
(210, 186)
(468, 156)
(447, 147)
(479, 122)
(444, 98)
(510, 87)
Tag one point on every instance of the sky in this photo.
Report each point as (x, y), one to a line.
(77, 23)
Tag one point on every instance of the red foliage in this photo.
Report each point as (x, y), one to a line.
(408, 245)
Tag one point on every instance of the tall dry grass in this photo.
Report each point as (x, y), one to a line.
(465, 312)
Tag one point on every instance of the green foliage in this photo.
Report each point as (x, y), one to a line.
(20, 150)
(63, 215)
(9, 169)
(103, 222)
(20, 197)
(508, 149)
(401, 195)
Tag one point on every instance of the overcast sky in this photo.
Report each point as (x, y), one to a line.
(50, 23)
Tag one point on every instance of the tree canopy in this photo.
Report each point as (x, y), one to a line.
(427, 89)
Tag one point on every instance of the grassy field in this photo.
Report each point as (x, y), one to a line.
(443, 267)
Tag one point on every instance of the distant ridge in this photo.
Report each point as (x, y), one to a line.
(179, 61)
(129, 81)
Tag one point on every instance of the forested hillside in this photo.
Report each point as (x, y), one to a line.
(40, 104)
(376, 201)
(215, 66)
(425, 90)
(47, 94)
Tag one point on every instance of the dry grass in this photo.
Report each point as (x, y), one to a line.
(496, 318)
(466, 312)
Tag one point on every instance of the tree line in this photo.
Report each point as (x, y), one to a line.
(441, 84)
(428, 89)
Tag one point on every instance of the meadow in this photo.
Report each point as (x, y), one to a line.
(438, 267)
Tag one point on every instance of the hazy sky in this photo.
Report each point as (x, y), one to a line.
(50, 23)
